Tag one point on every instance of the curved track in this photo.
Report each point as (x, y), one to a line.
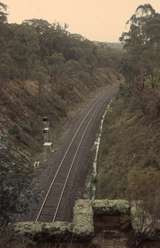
(64, 180)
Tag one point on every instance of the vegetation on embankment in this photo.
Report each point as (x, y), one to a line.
(129, 160)
(130, 141)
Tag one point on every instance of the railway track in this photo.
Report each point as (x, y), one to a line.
(69, 169)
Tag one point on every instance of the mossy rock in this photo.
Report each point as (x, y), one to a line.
(111, 207)
(83, 227)
(28, 229)
(57, 229)
(44, 231)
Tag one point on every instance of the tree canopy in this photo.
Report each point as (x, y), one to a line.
(142, 45)
(38, 43)
(3, 13)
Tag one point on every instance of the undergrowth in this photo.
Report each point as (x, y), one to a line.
(130, 140)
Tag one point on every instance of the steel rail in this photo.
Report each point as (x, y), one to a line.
(71, 167)
(60, 165)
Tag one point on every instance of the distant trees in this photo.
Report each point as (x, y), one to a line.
(37, 43)
(3, 13)
(108, 56)
(40, 25)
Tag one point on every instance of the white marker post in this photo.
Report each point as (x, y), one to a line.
(47, 145)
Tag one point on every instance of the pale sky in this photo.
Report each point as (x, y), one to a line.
(101, 20)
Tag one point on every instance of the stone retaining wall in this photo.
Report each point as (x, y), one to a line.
(82, 227)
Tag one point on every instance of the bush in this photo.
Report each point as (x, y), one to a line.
(15, 186)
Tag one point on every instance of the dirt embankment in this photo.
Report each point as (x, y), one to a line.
(22, 110)
(130, 140)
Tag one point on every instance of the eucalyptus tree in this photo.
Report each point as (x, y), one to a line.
(3, 13)
(142, 45)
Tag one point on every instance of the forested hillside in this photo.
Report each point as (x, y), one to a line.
(44, 71)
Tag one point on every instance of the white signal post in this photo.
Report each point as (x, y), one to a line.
(47, 145)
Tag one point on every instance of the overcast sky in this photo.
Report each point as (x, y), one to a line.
(102, 20)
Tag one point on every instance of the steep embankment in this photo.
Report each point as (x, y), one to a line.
(131, 141)
(22, 111)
